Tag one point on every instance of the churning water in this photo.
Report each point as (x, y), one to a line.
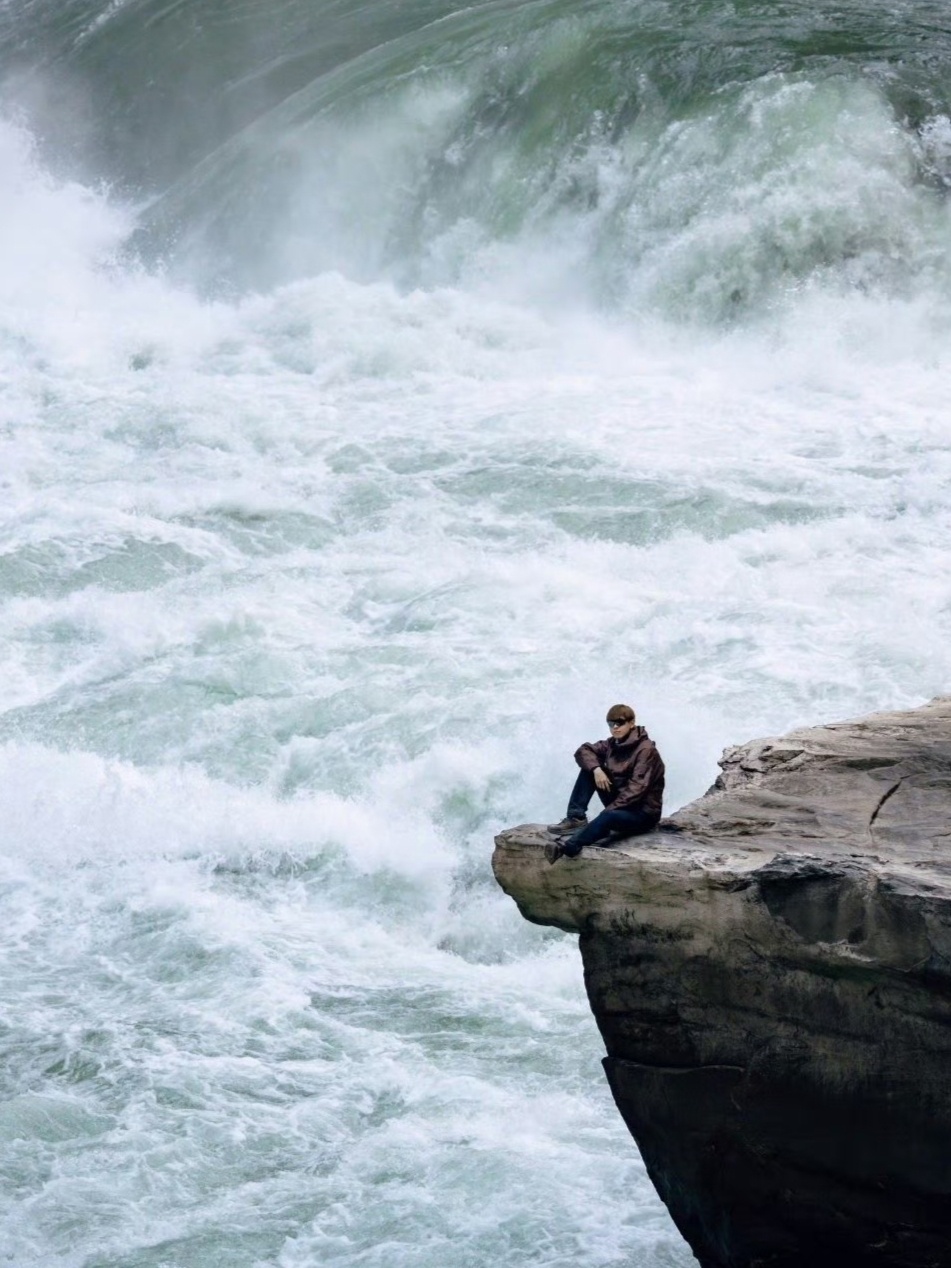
(386, 390)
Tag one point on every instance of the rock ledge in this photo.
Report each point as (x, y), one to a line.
(771, 974)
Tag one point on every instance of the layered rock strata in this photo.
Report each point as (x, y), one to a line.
(771, 974)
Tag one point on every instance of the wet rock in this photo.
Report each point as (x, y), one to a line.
(771, 974)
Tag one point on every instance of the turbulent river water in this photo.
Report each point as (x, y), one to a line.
(385, 390)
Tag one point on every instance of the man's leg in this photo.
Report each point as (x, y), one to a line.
(609, 824)
(581, 795)
(577, 814)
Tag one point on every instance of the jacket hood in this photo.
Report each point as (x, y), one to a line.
(639, 733)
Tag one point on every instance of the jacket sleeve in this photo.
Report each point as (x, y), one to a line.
(590, 756)
(635, 787)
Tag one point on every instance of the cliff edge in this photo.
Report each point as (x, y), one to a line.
(771, 975)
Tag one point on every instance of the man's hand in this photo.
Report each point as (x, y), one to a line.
(601, 780)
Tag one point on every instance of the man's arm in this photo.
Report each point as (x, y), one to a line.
(590, 756)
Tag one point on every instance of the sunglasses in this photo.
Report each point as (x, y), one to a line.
(619, 722)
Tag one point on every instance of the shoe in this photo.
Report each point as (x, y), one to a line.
(567, 825)
(553, 851)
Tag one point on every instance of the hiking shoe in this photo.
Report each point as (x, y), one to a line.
(567, 826)
(553, 851)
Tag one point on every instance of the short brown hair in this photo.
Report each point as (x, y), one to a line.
(620, 713)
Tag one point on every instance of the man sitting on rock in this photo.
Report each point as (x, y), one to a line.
(627, 773)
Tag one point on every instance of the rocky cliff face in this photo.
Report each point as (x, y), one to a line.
(771, 975)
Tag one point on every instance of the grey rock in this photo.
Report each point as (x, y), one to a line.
(771, 975)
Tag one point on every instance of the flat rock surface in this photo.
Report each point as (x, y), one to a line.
(771, 973)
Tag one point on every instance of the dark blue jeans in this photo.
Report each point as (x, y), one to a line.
(609, 823)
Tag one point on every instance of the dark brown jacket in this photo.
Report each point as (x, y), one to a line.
(634, 767)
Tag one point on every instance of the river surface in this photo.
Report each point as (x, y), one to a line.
(386, 390)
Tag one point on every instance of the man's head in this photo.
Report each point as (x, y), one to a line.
(621, 720)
